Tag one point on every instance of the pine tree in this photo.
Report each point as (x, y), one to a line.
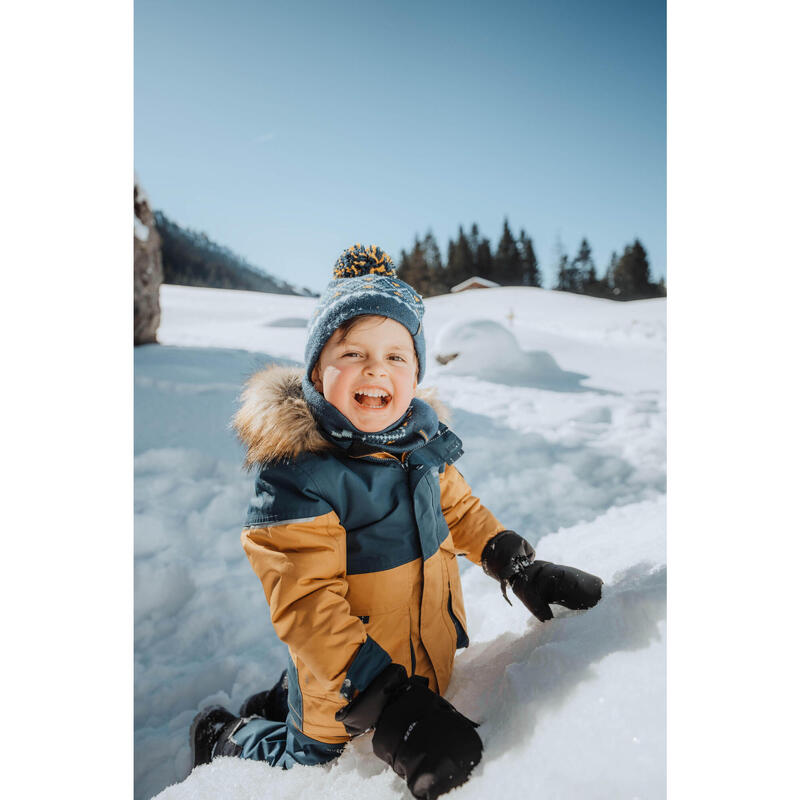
(584, 276)
(484, 262)
(632, 273)
(451, 253)
(474, 242)
(460, 265)
(402, 265)
(437, 279)
(413, 268)
(529, 266)
(404, 271)
(612, 265)
(507, 261)
(563, 281)
(560, 263)
(569, 275)
(481, 250)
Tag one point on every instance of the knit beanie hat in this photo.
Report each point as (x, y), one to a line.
(365, 282)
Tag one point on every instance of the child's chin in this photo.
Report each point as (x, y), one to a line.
(372, 421)
(373, 427)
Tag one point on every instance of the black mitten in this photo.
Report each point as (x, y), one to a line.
(510, 559)
(362, 713)
(426, 741)
(543, 583)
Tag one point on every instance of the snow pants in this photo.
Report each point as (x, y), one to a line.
(280, 744)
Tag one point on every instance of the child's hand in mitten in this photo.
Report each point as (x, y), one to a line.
(426, 741)
(543, 583)
(417, 732)
(510, 559)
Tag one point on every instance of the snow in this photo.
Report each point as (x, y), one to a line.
(140, 230)
(194, 317)
(561, 406)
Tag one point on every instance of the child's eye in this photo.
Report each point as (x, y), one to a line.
(397, 358)
(347, 355)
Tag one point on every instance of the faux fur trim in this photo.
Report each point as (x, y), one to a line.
(275, 422)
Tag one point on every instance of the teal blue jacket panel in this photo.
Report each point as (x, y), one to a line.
(391, 510)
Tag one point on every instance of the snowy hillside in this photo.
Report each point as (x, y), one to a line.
(560, 401)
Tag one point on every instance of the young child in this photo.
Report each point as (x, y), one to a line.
(354, 528)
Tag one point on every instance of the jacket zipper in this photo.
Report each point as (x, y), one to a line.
(461, 633)
(401, 461)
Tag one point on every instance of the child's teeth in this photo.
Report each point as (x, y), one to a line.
(372, 398)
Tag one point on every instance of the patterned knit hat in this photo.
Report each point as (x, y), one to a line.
(365, 282)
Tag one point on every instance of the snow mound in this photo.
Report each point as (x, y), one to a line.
(486, 349)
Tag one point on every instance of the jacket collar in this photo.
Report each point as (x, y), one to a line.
(275, 423)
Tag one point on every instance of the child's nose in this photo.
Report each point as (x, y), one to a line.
(374, 366)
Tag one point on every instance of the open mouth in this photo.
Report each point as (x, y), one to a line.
(372, 398)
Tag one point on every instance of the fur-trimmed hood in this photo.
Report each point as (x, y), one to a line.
(275, 422)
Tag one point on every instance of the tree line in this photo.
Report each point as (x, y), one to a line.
(190, 258)
(514, 263)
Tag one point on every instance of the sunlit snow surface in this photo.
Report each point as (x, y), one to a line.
(565, 442)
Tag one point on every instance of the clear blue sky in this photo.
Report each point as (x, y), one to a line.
(289, 130)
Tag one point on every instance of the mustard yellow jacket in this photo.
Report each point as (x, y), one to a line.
(356, 555)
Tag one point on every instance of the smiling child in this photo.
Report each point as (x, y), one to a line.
(353, 530)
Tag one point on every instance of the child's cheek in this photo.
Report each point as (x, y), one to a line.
(330, 378)
(407, 393)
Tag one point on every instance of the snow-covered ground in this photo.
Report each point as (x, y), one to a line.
(560, 401)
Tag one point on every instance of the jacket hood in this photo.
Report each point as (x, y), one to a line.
(275, 422)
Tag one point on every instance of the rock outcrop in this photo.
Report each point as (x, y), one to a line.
(148, 273)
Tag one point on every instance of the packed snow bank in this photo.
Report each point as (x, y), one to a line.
(195, 317)
(571, 708)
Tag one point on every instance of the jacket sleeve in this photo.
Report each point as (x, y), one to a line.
(471, 524)
(297, 547)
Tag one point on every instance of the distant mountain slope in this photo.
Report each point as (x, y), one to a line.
(192, 259)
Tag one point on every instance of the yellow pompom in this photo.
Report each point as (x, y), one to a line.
(359, 260)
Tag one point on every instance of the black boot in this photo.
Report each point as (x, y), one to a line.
(272, 704)
(210, 733)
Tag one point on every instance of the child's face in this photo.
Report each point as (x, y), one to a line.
(376, 357)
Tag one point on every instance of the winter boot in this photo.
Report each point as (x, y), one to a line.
(210, 735)
(272, 704)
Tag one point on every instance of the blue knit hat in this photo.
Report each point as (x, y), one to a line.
(364, 282)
